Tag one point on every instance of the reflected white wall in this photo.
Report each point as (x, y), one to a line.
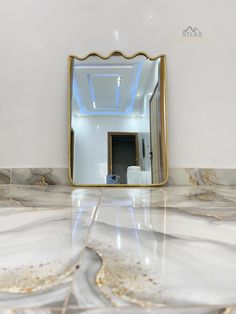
(91, 153)
(144, 126)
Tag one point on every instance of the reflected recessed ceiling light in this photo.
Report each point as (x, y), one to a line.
(94, 105)
(118, 81)
(139, 94)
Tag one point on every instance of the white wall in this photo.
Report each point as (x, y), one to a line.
(37, 36)
(144, 133)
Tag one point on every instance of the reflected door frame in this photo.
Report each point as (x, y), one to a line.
(109, 146)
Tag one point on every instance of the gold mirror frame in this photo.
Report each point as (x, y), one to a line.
(163, 105)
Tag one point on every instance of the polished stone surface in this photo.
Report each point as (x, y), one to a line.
(35, 176)
(177, 176)
(202, 176)
(167, 250)
(5, 176)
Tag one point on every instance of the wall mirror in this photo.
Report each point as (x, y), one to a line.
(117, 120)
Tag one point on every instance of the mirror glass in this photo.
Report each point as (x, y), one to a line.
(117, 120)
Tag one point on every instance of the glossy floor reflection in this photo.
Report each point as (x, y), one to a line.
(173, 248)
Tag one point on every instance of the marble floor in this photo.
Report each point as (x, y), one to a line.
(165, 250)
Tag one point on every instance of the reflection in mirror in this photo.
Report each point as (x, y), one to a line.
(117, 120)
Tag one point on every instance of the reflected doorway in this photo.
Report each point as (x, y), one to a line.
(123, 152)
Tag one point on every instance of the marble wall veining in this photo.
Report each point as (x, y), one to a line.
(35, 176)
(5, 176)
(177, 176)
(198, 176)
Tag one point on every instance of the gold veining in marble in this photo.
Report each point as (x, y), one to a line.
(121, 277)
(228, 310)
(43, 181)
(115, 274)
(32, 278)
(201, 176)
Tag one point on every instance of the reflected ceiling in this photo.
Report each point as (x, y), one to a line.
(113, 87)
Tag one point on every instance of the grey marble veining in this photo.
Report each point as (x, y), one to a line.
(35, 176)
(85, 292)
(40, 176)
(177, 176)
(167, 250)
(5, 176)
(202, 176)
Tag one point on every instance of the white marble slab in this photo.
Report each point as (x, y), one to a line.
(173, 246)
(42, 234)
(167, 250)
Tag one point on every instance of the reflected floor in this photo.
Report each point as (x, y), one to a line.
(69, 250)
